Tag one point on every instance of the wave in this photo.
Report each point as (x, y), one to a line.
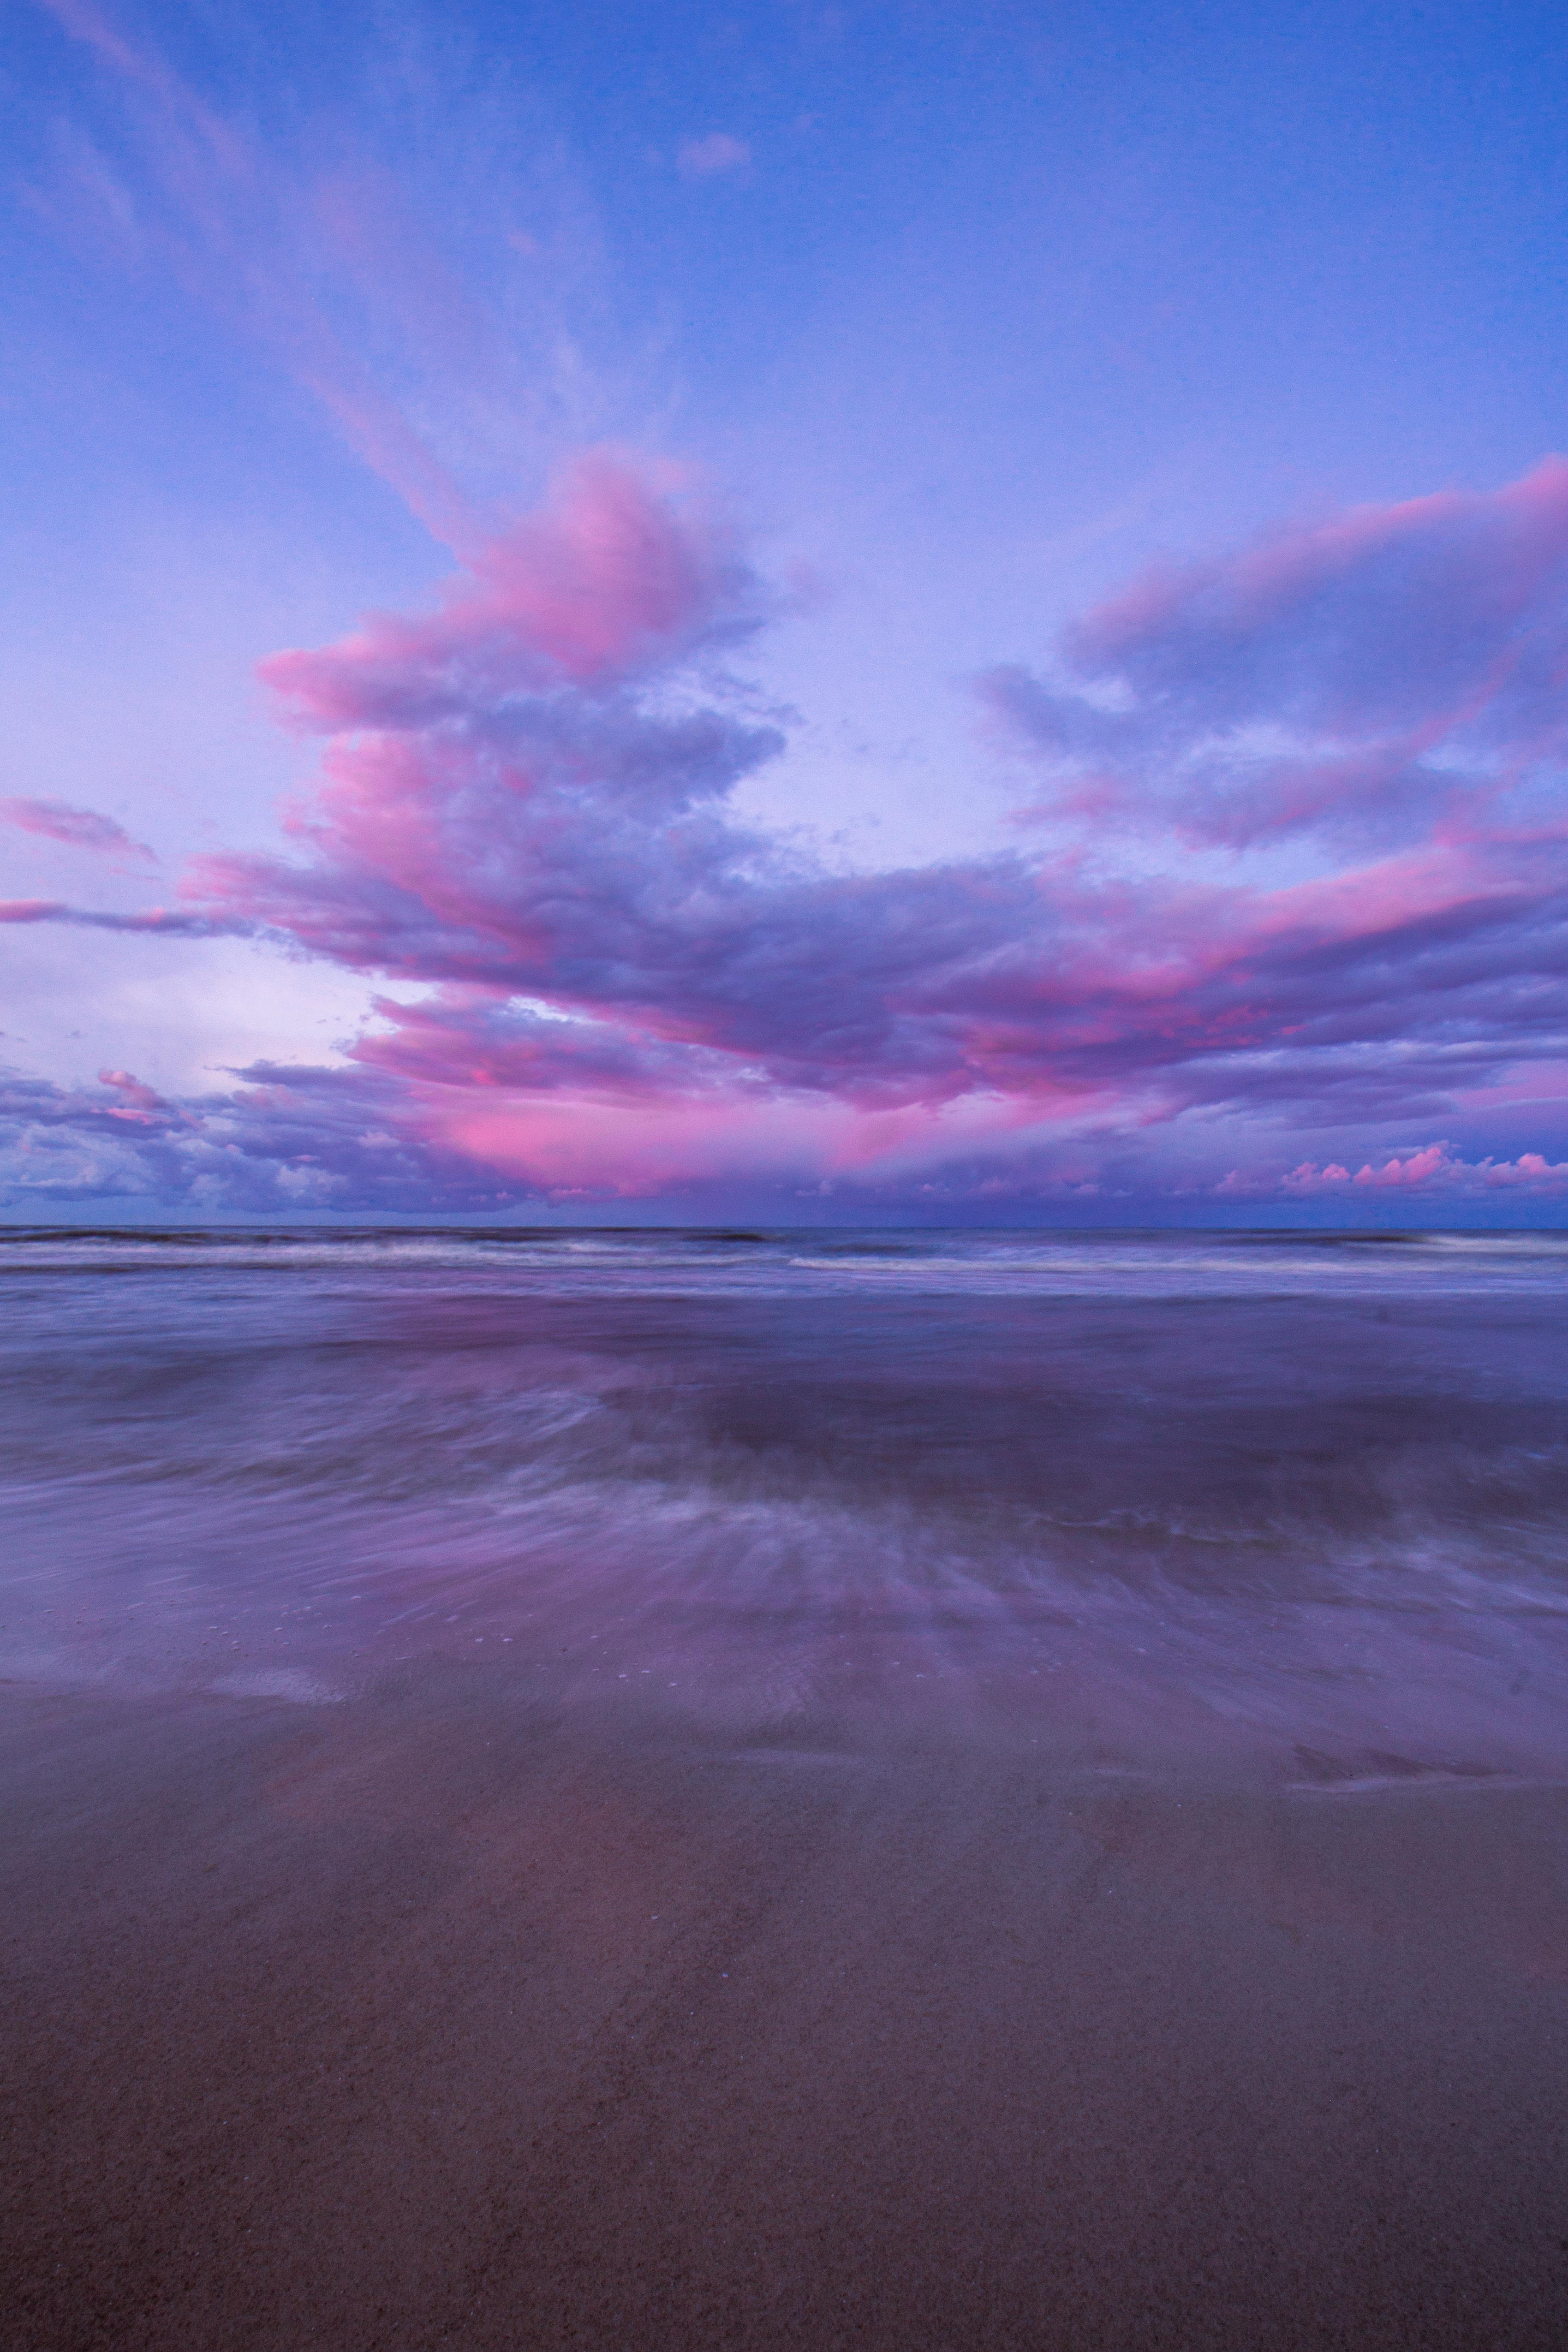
(784, 1261)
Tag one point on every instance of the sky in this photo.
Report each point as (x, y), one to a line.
(861, 613)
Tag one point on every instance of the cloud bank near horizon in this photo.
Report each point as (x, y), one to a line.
(1289, 897)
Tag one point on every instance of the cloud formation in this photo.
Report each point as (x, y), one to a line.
(79, 828)
(1373, 679)
(523, 809)
(1434, 1166)
(341, 246)
(279, 1143)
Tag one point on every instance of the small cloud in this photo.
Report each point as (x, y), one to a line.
(82, 828)
(701, 158)
(1432, 1165)
(134, 1089)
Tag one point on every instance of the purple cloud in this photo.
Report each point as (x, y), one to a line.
(171, 923)
(523, 805)
(277, 1143)
(1371, 679)
(82, 828)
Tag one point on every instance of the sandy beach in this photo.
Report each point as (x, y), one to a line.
(468, 2016)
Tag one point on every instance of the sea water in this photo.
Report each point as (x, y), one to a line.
(1296, 1499)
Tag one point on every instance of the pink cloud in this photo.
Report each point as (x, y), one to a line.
(1366, 680)
(523, 806)
(608, 577)
(81, 828)
(1416, 1168)
(1530, 1168)
(1432, 1165)
(138, 1101)
(524, 793)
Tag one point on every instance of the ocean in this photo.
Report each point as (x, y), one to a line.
(1252, 1495)
(764, 1788)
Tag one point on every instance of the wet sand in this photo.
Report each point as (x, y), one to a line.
(469, 2014)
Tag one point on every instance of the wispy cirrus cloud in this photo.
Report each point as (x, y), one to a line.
(170, 922)
(78, 828)
(423, 262)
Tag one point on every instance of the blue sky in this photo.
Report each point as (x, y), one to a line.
(957, 321)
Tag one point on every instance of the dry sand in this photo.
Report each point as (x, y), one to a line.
(453, 2017)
